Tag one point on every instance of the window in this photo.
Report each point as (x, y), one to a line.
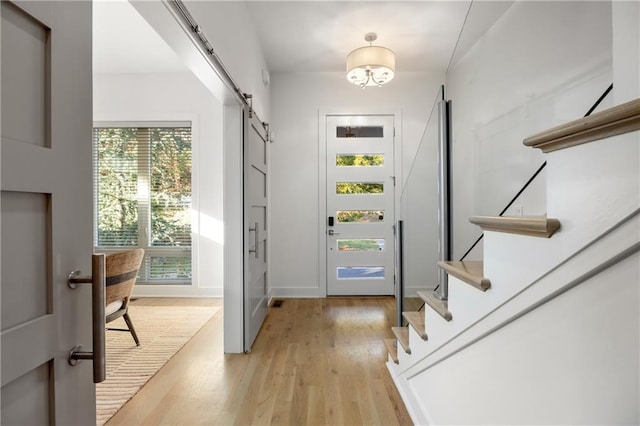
(142, 190)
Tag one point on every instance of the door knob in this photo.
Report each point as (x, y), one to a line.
(332, 232)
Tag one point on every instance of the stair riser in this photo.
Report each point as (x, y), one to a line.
(513, 261)
(438, 330)
(405, 359)
(470, 303)
(591, 194)
(419, 348)
(466, 302)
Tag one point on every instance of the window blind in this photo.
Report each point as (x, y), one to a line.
(142, 191)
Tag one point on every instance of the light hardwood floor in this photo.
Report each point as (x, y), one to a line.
(315, 361)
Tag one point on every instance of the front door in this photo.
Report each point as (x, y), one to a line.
(46, 211)
(255, 228)
(360, 205)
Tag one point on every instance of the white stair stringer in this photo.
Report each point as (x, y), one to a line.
(595, 260)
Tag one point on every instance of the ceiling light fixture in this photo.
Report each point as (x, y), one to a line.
(371, 65)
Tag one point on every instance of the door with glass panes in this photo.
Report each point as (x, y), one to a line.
(360, 205)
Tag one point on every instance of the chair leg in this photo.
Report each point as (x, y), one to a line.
(131, 329)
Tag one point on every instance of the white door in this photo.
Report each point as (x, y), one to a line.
(255, 229)
(360, 205)
(46, 211)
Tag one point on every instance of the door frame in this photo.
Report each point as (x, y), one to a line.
(322, 176)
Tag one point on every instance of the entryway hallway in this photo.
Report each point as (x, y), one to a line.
(315, 361)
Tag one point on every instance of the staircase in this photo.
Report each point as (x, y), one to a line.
(547, 324)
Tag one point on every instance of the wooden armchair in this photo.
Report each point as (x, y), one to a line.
(121, 272)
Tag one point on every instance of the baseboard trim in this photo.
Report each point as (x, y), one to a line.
(176, 291)
(296, 292)
(416, 411)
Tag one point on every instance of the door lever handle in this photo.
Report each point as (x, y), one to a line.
(332, 232)
(256, 241)
(98, 288)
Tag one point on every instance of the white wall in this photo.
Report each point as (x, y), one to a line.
(229, 27)
(178, 97)
(541, 64)
(296, 101)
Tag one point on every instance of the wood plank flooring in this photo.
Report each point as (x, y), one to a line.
(315, 362)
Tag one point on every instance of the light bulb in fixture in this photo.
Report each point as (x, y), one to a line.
(371, 65)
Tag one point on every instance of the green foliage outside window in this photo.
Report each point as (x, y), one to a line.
(361, 216)
(170, 188)
(118, 186)
(360, 160)
(143, 196)
(359, 188)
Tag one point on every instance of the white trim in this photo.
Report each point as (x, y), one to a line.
(396, 112)
(140, 123)
(233, 231)
(297, 292)
(185, 291)
(415, 409)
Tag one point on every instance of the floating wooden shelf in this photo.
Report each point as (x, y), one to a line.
(416, 320)
(402, 334)
(440, 306)
(469, 271)
(535, 226)
(613, 121)
(391, 347)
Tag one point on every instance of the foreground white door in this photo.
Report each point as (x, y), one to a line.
(255, 229)
(46, 211)
(360, 205)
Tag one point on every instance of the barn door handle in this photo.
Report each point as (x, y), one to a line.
(98, 289)
(256, 241)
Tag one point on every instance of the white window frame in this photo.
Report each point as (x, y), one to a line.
(144, 209)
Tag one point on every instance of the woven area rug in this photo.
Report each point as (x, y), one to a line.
(162, 331)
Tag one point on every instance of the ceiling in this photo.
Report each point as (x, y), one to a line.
(123, 42)
(305, 36)
(302, 36)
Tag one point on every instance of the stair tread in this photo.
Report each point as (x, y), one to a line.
(393, 350)
(535, 226)
(469, 271)
(402, 334)
(620, 119)
(440, 306)
(416, 319)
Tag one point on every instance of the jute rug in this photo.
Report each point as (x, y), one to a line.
(162, 331)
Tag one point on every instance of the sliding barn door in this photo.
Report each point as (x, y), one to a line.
(255, 228)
